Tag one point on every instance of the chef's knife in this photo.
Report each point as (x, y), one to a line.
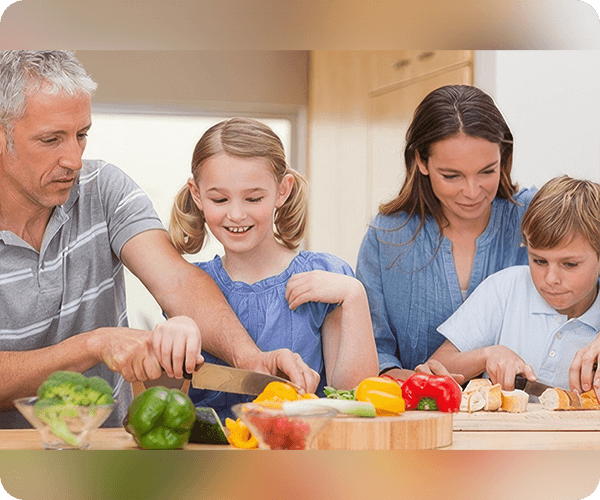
(228, 379)
(536, 388)
(531, 388)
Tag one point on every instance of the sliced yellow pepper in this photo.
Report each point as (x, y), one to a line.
(278, 391)
(239, 434)
(383, 393)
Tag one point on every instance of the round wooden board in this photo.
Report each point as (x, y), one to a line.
(412, 430)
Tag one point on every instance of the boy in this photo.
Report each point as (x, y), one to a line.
(540, 320)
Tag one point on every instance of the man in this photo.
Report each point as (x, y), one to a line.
(67, 226)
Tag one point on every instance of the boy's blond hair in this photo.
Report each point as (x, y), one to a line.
(562, 208)
(240, 138)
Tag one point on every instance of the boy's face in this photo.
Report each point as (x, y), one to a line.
(566, 276)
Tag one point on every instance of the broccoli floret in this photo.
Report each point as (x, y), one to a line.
(75, 388)
(61, 392)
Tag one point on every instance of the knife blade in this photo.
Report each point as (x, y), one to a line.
(531, 388)
(228, 379)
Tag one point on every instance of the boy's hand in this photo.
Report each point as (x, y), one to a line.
(320, 286)
(583, 373)
(503, 365)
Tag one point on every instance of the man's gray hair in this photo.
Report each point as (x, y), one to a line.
(26, 72)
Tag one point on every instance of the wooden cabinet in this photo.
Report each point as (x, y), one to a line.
(393, 66)
(360, 105)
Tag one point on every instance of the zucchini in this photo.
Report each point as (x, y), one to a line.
(344, 406)
(207, 428)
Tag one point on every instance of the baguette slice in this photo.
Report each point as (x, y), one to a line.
(476, 384)
(589, 401)
(514, 401)
(493, 397)
(472, 401)
(559, 399)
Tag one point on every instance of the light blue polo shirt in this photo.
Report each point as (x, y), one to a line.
(506, 309)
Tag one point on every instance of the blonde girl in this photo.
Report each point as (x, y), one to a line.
(244, 192)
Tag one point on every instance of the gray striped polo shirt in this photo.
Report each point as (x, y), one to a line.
(75, 283)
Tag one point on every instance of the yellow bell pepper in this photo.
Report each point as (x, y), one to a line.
(383, 393)
(239, 434)
(277, 391)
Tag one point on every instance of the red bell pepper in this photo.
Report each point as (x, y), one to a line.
(422, 391)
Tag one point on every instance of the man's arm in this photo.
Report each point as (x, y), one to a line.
(123, 350)
(182, 289)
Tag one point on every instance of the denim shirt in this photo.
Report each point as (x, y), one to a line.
(265, 313)
(413, 288)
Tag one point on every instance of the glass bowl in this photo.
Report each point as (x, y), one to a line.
(64, 427)
(276, 429)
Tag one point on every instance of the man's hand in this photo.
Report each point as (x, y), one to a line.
(503, 365)
(283, 362)
(583, 373)
(126, 351)
(176, 341)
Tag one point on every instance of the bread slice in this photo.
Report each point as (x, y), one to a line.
(589, 401)
(514, 401)
(472, 401)
(559, 399)
(493, 396)
(475, 384)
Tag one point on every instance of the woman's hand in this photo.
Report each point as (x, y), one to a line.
(503, 365)
(434, 367)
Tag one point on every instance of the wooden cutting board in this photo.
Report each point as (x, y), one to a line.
(534, 419)
(411, 430)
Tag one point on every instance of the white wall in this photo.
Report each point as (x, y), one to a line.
(551, 100)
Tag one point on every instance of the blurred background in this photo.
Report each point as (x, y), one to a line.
(342, 116)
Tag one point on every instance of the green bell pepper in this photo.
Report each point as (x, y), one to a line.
(161, 419)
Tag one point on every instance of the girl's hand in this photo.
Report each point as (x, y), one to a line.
(175, 342)
(320, 286)
(503, 365)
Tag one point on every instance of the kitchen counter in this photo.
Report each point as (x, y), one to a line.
(118, 439)
(535, 429)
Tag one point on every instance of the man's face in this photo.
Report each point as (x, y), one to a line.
(38, 172)
(566, 276)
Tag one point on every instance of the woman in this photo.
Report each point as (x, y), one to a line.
(455, 221)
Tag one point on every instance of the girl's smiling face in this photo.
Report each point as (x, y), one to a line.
(566, 276)
(238, 197)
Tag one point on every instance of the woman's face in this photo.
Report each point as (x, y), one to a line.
(465, 175)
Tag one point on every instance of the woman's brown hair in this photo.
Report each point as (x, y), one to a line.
(240, 138)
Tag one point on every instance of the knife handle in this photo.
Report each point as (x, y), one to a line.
(520, 382)
(188, 375)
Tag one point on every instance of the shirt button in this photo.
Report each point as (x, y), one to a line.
(559, 335)
(552, 354)
(559, 319)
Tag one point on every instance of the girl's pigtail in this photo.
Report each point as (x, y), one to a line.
(187, 228)
(291, 218)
